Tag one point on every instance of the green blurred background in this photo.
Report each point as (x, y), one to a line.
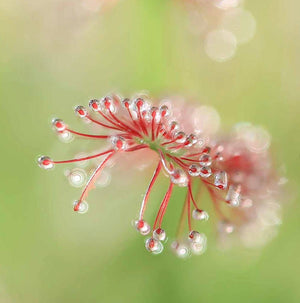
(52, 58)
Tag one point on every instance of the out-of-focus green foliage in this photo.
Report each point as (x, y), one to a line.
(51, 61)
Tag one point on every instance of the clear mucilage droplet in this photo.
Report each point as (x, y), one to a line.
(80, 207)
(205, 172)
(81, 111)
(179, 178)
(194, 170)
(174, 126)
(200, 215)
(164, 111)
(155, 114)
(205, 160)
(180, 137)
(233, 196)
(221, 180)
(95, 105)
(196, 237)
(45, 162)
(142, 227)
(154, 246)
(108, 104)
(58, 124)
(192, 139)
(159, 234)
(119, 143)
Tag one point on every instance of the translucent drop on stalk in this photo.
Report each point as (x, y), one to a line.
(241, 23)
(139, 104)
(196, 237)
(126, 103)
(233, 196)
(45, 162)
(220, 45)
(164, 111)
(155, 114)
(59, 125)
(80, 207)
(200, 215)
(108, 104)
(142, 227)
(180, 137)
(194, 170)
(193, 139)
(205, 160)
(174, 126)
(179, 178)
(154, 246)
(159, 234)
(221, 180)
(81, 111)
(95, 105)
(206, 150)
(181, 250)
(76, 176)
(119, 143)
(205, 172)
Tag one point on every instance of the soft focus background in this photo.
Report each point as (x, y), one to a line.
(56, 54)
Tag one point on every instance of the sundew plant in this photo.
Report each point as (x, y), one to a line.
(235, 169)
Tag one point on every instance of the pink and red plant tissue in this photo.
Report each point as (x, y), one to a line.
(235, 169)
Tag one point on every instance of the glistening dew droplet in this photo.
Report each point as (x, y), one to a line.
(205, 160)
(221, 180)
(119, 143)
(107, 104)
(205, 172)
(58, 124)
(196, 237)
(233, 196)
(194, 170)
(142, 227)
(95, 105)
(81, 111)
(179, 178)
(180, 137)
(159, 234)
(80, 207)
(164, 111)
(154, 246)
(200, 215)
(45, 162)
